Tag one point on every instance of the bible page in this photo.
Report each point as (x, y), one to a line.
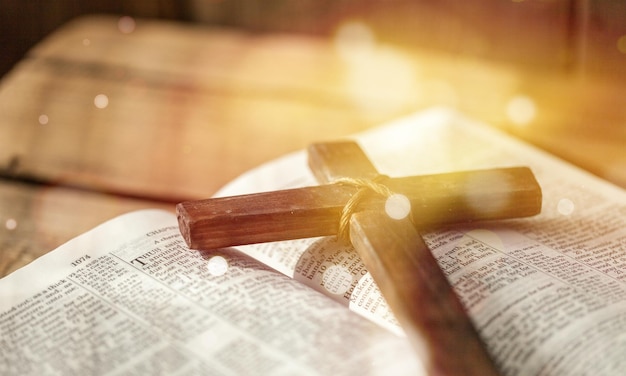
(130, 298)
(547, 293)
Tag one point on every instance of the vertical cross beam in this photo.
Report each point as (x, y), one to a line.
(407, 274)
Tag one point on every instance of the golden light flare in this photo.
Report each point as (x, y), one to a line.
(379, 79)
(521, 110)
(441, 92)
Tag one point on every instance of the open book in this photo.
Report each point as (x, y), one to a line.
(547, 294)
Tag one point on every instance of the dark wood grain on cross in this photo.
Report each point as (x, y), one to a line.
(315, 211)
(407, 274)
(392, 250)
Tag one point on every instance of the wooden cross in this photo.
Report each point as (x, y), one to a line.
(392, 250)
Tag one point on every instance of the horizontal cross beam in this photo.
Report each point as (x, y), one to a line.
(315, 211)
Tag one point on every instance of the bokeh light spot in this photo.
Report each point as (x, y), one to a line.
(521, 110)
(217, 266)
(10, 224)
(43, 119)
(86, 42)
(126, 24)
(397, 206)
(565, 206)
(101, 101)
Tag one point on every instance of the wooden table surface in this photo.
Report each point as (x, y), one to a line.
(97, 121)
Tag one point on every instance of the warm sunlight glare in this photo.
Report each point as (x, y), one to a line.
(379, 79)
(521, 110)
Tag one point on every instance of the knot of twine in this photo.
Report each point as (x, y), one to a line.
(365, 186)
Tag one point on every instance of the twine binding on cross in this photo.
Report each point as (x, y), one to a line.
(365, 186)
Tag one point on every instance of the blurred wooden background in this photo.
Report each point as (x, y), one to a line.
(537, 34)
(97, 120)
